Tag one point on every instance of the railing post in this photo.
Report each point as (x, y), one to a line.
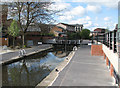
(92, 37)
(114, 49)
(97, 37)
(104, 38)
(107, 39)
(119, 44)
(110, 40)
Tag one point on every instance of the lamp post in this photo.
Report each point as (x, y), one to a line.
(65, 41)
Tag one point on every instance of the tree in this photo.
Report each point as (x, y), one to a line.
(0, 29)
(73, 35)
(45, 28)
(107, 30)
(13, 30)
(28, 13)
(85, 34)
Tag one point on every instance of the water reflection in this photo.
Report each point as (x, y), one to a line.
(30, 72)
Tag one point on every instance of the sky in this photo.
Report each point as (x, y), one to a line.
(92, 14)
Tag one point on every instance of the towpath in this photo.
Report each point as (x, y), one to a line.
(85, 70)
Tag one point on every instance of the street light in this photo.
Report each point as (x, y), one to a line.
(65, 40)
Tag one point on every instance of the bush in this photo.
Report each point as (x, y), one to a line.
(24, 46)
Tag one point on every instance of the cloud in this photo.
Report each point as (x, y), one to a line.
(107, 3)
(63, 18)
(56, 0)
(88, 18)
(59, 6)
(96, 18)
(77, 11)
(107, 19)
(94, 8)
(95, 24)
(88, 24)
(85, 21)
(110, 24)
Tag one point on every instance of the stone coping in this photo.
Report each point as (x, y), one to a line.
(49, 80)
(19, 58)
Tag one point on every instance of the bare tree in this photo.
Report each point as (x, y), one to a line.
(28, 13)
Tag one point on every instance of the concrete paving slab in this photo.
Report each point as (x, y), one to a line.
(85, 70)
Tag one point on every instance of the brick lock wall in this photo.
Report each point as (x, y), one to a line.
(96, 50)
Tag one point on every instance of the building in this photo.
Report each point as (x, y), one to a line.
(32, 37)
(56, 31)
(60, 29)
(3, 24)
(100, 30)
(71, 27)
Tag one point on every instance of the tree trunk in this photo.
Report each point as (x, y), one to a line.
(23, 40)
(13, 42)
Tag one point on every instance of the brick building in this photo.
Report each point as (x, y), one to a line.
(3, 24)
(61, 29)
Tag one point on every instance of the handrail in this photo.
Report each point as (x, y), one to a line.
(110, 39)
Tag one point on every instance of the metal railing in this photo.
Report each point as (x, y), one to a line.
(110, 39)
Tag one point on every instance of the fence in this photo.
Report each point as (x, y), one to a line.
(110, 39)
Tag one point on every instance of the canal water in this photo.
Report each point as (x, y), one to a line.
(31, 71)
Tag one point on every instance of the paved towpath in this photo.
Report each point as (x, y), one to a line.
(10, 55)
(85, 70)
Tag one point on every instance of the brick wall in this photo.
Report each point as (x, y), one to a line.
(96, 50)
(55, 29)
(4, 41)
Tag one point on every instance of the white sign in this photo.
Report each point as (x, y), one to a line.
(39, 42)
(5, 38)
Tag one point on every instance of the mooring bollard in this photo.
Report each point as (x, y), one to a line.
(22, 52)
(74, 48)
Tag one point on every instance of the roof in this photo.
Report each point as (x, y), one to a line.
(99, 29)
(116, 27)
(60, 27)
(73, 25)
(33, 28)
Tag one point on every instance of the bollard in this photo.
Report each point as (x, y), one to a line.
(20, 52)
(24, 52)
(74, 48)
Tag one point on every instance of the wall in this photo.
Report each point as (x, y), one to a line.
(113, 57)
(55, 29)
(4, 41)
(96, 50)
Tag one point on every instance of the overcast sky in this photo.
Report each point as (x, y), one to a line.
(90, 13)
